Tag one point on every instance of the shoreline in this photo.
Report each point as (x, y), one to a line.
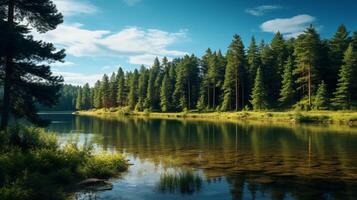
(287, 117)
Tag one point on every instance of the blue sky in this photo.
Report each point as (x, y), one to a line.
(101, 35)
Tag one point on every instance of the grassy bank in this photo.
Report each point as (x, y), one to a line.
(326, 117)
(33, 165)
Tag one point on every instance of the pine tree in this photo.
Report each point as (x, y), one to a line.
(321, 98)
(342, 95)
(234, 82)
(253, 58)
(280, 53)
(113, 90)
(105, 91)
(152, 98)
(79, 99)
(336, 48)
(121, 87)
(26, 74)
(97, 101)
(204, 99)
(142, 88)
(186, 87)
(307, 49)
(86, 98)
(258, 95)
(133, 92)
(287, 91)
(165, 93)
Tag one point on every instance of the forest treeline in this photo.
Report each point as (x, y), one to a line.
(302, 73)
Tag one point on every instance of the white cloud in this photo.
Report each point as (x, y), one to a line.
(75, 7)
(62, 64)
(261, 10)
(290, 27)
(78, 78)
(132, 42)
(131, 2)
(145, 59)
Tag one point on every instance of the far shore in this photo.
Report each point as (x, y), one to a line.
(317, 117)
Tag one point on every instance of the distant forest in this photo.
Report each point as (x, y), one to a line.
(298, 73)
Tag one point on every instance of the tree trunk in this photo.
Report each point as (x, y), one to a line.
(309, 84)
(189, 94)
(214, 95)
(8, 69)
(237, 98)
(208, 96)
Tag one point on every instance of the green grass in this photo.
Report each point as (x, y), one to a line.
(34, 166)
(325, 117)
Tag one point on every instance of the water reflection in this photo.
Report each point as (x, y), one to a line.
(242, 161)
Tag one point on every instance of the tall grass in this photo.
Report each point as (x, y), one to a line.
(34, 166)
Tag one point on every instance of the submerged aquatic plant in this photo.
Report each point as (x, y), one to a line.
(185, 182)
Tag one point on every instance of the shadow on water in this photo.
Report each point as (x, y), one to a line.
(237, 160)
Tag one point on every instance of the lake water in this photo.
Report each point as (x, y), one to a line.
(182, 159)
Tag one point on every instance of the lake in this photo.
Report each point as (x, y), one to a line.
(185, 159)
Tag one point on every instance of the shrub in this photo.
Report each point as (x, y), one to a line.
(34, 166)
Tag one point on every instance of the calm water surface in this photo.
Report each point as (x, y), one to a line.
(219, 160)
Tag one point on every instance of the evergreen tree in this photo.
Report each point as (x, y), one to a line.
(79, 99)
(121, 87)
(105, 91)
(186, 87)
(321, 98)
(337, 46)
(287, 91)
(151, 100)
(307, 49)
(113, 83)
(342, 95)
(258, 95)
(142, 88)
(97, 101)
(85, 97)
(165, 93)
(234, 82)
(26, 75)
(204, 99)
(133, 92)
(280, 53)
(253, 58)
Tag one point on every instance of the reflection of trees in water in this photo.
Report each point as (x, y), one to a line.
(226, 148)
(279, 188)
(184, 181)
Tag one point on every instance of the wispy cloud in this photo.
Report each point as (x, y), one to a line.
(62, 64)
(261, 10)
(75, 7)
(78, 78)
(137, 44)
(289, 27)
(131, 2)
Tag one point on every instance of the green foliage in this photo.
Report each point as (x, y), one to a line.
(343, 93)
(307, 52)
(121, 87)
(321, 99)
(287, 91)
(133, 92)
(234, 81)
(258, 95)
(34, 166)
(105, 91)
(25, 63)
